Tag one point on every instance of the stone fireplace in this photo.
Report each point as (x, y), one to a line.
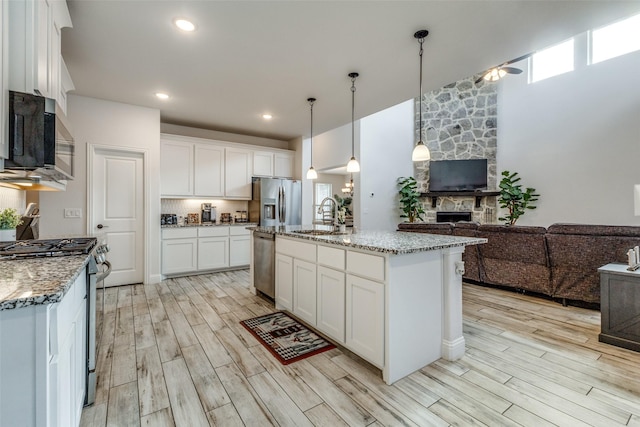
(460, 121)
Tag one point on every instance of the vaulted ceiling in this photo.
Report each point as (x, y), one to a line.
(247, 58)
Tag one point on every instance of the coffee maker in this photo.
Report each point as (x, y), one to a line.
(208, 213)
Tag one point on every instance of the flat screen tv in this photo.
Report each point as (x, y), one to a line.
(458, 175)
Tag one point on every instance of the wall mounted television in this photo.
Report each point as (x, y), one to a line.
(458, 175)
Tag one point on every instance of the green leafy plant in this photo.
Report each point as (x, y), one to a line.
(410, 199)
(343, 203)
(9, 219)
(514, 199)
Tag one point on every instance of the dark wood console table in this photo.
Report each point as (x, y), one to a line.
(620, 306)
(477, 194)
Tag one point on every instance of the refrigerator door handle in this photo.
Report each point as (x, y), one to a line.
(283, 207)
(280, 205)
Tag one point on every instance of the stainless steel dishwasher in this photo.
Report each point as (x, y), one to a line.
(264, 257)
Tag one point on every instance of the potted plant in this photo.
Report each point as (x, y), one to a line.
(513, 198)
(410, 199)
(9, 220)
(342, 219)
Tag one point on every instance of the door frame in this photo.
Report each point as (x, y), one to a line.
(91, 154)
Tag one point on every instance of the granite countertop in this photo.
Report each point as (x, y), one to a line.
(36, 281)
(246, 224)
(391, 242)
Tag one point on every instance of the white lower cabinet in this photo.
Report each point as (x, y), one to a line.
(331, 302)
(213, 252)
(304, 290)
(179, 255)
(365, 318)
(284, 282)
(239, 246)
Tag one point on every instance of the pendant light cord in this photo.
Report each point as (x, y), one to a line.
(311, 101)
(420, 98)
(353, 114)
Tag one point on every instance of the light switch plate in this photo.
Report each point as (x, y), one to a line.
(73, 213)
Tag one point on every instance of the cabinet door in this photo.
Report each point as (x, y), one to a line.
(284, 282)
(331, 302)
(365, 319)
(238, 173)
(209, 171)
(239, 250)
(263, 163)
(176, 168)
(43, 47)
(283, 165)
(179, 256)
(304, 290)
(213, 252)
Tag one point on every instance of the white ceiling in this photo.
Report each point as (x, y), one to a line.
(251, 57)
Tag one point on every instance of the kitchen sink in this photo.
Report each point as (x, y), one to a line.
(320, 232)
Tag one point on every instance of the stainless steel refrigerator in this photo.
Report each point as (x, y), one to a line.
(276, 202)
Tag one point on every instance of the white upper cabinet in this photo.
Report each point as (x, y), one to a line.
(283, 163)
(263, 163)
(176, 168)
(238, 173)
(35, 51)
(209, 170)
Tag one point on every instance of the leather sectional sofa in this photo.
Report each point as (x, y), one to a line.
(560, 261)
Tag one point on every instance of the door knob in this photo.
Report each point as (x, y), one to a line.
(100, 226)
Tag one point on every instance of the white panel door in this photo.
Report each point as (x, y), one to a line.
(117, 207)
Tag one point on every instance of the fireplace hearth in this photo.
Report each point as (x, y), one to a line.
(453, 216)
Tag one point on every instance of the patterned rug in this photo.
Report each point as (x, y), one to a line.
(286, 339)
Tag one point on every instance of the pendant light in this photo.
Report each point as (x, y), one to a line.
(420, 151)
(311, 173)
(353, 165)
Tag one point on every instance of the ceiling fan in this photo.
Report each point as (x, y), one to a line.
(496, 73)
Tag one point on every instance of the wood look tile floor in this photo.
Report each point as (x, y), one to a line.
(174, 354)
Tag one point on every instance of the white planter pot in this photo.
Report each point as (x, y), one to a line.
(8, 235)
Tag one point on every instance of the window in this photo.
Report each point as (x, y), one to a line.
(552, 61)
(322, 190)
(615, 40)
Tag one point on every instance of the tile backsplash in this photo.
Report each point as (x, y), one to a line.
(11, 198)
(182, 207)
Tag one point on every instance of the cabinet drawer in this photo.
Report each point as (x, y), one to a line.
(296, 249)
(213, 231)
(331, 257)
(371, 266)
(239, 230)
(179, 233)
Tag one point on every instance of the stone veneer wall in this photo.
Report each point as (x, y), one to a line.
(460, 121)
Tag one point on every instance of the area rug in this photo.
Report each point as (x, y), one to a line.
(286, 339)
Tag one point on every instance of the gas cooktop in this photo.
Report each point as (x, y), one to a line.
(47, 247)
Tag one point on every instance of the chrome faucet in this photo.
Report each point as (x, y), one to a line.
(335, 213)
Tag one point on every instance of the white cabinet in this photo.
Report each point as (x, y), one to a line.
(179, 250)
(213, 253)
(331, 301)
(365, 318)
(238, 173)
(176, 168)
(36, 45)
(239, 246)
(43, 371)
(263, 163)
(304, 290)
(283, 165)
(284, 282)
(278, 164)
(209, 170)
(4, 80)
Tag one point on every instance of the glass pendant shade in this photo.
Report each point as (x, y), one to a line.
(312, 174)
(420, 152)
(353, 165)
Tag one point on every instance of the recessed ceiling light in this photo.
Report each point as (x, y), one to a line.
(267, 116)
(161, 95)
(184, 25)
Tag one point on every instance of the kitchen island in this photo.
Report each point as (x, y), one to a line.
(43, 340)
(393, 298)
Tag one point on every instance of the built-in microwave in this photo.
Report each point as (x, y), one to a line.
(39, 140)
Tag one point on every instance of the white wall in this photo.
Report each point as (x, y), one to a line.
(386, 143)
(96, 121)
(332, 149)
(222, 136)
(575, 138)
